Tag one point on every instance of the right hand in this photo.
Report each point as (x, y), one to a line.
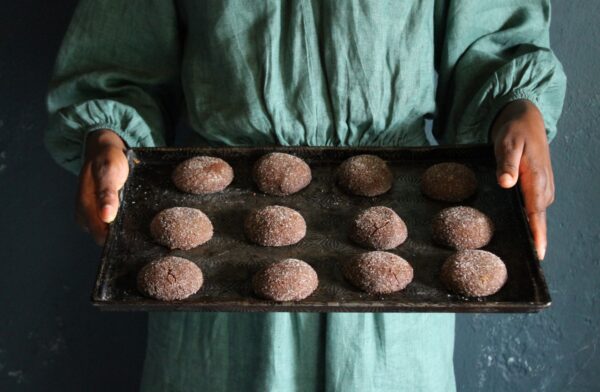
(104, 172)
(523, 154)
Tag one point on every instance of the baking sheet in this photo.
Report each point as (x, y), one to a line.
(228, 260)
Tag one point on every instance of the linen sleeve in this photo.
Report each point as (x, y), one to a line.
(489, 53)
(118, 68)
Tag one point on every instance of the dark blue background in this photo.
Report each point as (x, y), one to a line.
(51, 339)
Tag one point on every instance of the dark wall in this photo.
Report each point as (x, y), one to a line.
(51, 339)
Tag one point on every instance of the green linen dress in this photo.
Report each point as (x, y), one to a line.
(299, 72)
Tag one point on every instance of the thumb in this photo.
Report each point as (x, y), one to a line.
(108, 202)
(110, 178)
(508, 160)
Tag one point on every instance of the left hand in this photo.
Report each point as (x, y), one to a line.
(522, 153)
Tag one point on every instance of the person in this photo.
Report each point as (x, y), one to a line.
(333, 73)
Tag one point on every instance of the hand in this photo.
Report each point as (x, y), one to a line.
(522, 153)
(104, 172)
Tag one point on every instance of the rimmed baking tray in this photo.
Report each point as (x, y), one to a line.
(228, 261)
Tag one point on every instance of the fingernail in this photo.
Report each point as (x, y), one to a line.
(542, 253)
(506, 180)
(108, 213)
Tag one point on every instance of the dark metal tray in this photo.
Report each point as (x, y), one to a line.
(228, 261)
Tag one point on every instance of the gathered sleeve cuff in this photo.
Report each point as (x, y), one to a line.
(489, 53)
(537, 77)
(69, 128)
(118, 68)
